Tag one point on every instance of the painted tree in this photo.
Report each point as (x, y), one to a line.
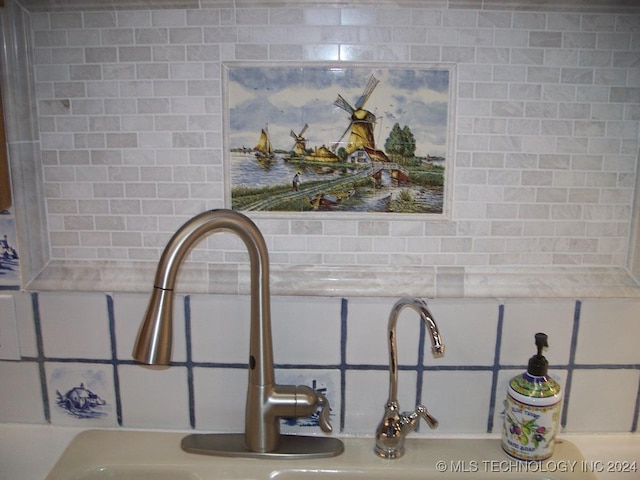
(400, 144)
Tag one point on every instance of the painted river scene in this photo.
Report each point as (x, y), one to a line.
(347, 139)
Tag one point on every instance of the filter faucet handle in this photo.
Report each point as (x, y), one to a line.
(424, 413)
(325, 412)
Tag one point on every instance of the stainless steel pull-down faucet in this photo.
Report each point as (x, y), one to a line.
(395, 426)
(267, 401)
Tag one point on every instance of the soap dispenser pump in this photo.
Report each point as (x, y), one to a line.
(532, 410)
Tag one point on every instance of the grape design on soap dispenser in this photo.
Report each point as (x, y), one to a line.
(527, 431)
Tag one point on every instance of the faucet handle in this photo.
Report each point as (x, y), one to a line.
(424, 413)
(325, 411)
(421, 411)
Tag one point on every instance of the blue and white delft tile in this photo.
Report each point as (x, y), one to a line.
(326, 382)
(9, 258)
(81, 394)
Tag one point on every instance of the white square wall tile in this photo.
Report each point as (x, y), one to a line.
(9, 343)
(602, 400)
(21, 393)
(75, 325)
(468, 329)
(458, 399)
(608, 332)
(81, 394)
(154, 398)
(366, 395)
(26, 325)
(128, 310)
(220, 326)
(367, 324)
(524, 318)
(220, 397)
(306, 330)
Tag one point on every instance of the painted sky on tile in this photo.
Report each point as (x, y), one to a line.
(287, 98)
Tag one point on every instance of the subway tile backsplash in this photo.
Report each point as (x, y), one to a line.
(545, 127)
(337, 344)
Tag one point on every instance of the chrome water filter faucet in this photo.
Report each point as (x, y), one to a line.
(395, 426)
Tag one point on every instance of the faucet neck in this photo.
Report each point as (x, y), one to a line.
(420, 307)
(261, 371)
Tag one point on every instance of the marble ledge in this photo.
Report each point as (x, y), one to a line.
(349, 281)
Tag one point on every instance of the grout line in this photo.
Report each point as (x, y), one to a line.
(495, 369)
(114, 358)
(41, 358)
(189, 363)
(420, 368)
(636, 410)
(354, 366)
(572, 364)
(344, 314)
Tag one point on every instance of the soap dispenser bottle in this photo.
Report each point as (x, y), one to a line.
(532, 410)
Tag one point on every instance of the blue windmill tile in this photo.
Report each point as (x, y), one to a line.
(9, 257)
(326, 382)
(81, 394)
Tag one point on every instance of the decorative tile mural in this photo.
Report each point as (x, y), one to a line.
(365, 139)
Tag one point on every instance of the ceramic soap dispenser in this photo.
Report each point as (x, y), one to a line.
(532, 410)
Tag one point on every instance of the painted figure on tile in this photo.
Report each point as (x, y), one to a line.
(295, 184)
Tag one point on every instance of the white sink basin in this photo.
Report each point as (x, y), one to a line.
(130, 455)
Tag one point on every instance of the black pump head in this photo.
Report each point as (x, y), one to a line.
(538, 364)
(541, 342)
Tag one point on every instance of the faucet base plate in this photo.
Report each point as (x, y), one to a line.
(290, 446)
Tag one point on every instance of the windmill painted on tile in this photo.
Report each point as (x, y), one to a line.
(299, 148)
(361, 125)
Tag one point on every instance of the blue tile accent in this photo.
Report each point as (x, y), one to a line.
(114, 358)
(189, 363)
(495, 370)
(420, 368)
(636, 411)
(40, 359)
(571, 365)
(344, 313)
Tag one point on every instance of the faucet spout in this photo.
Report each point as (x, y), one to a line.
(153, 345)
(267, 402)
(394, 426)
